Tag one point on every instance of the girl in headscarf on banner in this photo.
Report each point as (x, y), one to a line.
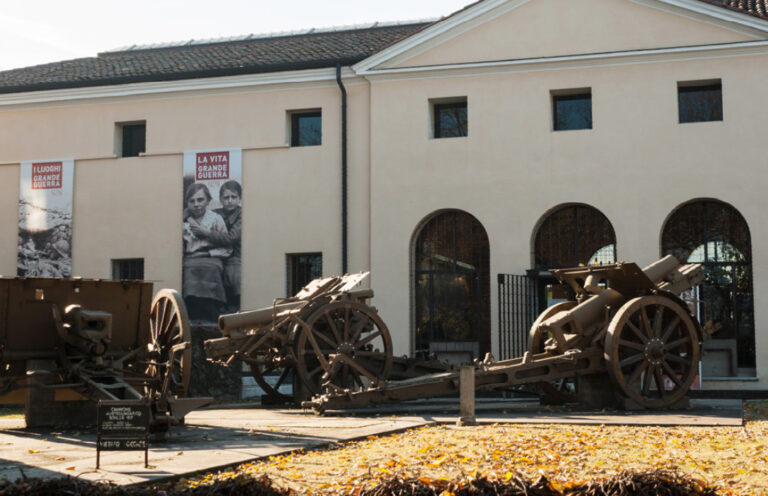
(230, 195)
(203, 283)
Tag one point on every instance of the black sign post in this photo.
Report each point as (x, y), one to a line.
(122, 426)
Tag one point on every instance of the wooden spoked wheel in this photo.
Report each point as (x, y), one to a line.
(652, 351)
(271, 377)
(356, 335)
(168, 326)
(537, 336)
(272, 370)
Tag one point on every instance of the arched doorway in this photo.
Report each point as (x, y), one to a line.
(452, 287)
(569, 236)
(715, 234)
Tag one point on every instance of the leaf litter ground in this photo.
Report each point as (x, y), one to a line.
(732, 459)
(499, 459)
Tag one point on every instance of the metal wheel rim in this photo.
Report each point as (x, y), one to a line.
(168, 326)
(258, 375)
(652, 341)
(264, 366)
(308, 366)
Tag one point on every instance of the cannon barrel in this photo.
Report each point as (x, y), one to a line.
(589, 311)
(659, 269)
(594, 308)
(256, 318)
(584, 316)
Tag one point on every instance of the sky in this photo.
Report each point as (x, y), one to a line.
(35, 32)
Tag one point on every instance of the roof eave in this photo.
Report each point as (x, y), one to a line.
(176, 76)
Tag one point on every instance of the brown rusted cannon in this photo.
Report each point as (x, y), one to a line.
(325, 334)
(624, 322)
(649, 339)
(65, 340)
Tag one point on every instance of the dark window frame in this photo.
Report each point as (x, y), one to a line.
(558, 96)
(133, 138)
(128, 269)
(296, 134)
(295, 279)
(459, 131)
(710, 106)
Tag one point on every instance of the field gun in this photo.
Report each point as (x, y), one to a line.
(625, 322)
(80, 340)
(326, 333)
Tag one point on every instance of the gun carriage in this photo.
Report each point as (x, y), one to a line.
(625, 322)
(326, 333)
(80, 339)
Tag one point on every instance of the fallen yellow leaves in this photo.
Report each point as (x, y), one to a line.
(735, 459)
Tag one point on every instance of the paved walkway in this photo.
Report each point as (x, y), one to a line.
(221, 437)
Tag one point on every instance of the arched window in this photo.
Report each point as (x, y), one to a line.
(452, 287)
(714, 234)
(574, 235)
(569, 236)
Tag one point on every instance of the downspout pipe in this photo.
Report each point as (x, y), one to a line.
(344, 211)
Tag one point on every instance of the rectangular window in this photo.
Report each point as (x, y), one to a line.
(572, 109)
(449, 117)
(128, 269)
(301, 268)
(700, 101)
(130, 138)
(306, 128)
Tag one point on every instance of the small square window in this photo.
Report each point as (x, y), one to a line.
(306, 128)
(128, 269)
(130, 138)
(700, 101)
(572, 109)
(301, 268)
(449, 118)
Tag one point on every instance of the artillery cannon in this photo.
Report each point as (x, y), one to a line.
(624, 322)
(325, 334)
(65, 340)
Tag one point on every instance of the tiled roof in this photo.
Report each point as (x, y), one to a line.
(758, 8)
(250, 55)
(310, 50)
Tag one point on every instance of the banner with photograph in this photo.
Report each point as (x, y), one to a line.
(45, 218)
(211, 232)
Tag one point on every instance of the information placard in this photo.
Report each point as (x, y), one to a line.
(122, 426)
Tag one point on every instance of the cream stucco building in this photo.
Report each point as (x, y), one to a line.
(508, 137)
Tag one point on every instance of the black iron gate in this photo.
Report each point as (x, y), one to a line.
(518, 308)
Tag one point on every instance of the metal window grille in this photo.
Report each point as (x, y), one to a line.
(128, 269)
(450, 120)
(302, 268)
(717, 236)
(518, 307)
(573, 235)
(452, 284)
(572, 111)
(700, 102)
(306, 129)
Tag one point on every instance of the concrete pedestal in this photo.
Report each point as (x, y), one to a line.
(211, 379)
(467, 396)
(47, 407)
(596, 391)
